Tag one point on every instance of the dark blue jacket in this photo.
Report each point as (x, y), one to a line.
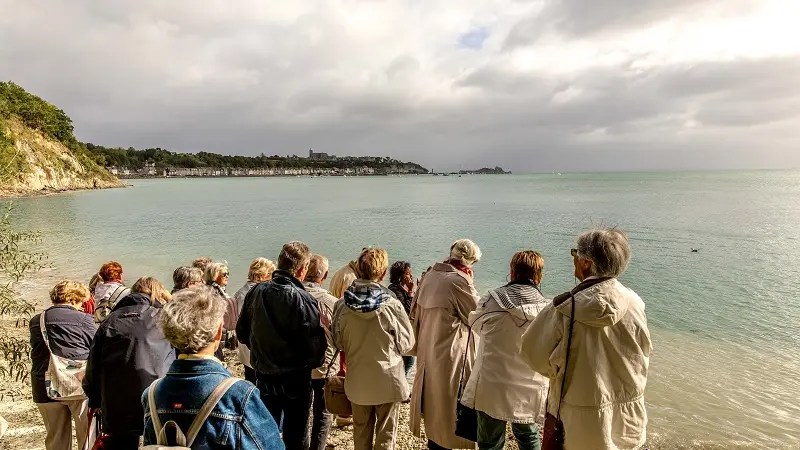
(280, 325)
(128, 353)
(239, 421)
(71, 333)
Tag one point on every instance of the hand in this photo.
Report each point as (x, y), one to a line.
(409, 287)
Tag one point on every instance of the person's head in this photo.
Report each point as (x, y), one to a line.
(216, 272)
(96, 279)
(317, 269)
(71, 293)
(527, 265)
(192, 321)
(400, 273)
(201, 263)
(465, 251)
(111, 271)
(152, 288)
(294, 258)
(373, 263)
(261, 270)
(186, 276)
(603, 252)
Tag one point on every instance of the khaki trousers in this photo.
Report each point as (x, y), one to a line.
(378, 422)
(58, 418)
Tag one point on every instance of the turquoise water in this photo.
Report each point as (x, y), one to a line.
(724, 320)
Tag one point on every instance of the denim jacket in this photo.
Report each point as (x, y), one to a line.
(239, 421)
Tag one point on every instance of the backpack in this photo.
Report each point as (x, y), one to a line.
(184, 441)
(63, 378)
(103, 309)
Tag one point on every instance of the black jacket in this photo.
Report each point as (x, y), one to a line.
(70, 332)
(128, 353)
(280, 324)
(402, 295)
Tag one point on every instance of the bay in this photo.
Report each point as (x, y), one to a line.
(724, 320)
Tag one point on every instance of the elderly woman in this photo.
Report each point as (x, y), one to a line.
(70, 333)
(192, 322)
(445, 297)
(401, 283)
(185, 277)
(216, 275)
(260, 271)
(596, 338)
(109, 291)
(128, 353)
(502, 387)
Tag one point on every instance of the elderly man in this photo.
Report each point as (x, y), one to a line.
(322, 420)
(603, 407)
(280, 324)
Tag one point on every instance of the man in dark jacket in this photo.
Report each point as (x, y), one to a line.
(128, 353)
(280, 324)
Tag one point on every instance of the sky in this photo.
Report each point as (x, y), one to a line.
(537, 86)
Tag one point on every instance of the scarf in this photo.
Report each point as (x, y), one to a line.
(460, 266)
(516, 294)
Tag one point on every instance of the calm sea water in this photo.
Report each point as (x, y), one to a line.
(724, 321)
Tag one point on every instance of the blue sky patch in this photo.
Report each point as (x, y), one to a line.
(474, 39)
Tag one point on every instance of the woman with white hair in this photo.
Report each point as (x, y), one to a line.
(216, 275)
(594, 345)
(445, 297)
(192, 323)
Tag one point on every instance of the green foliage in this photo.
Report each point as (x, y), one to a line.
(18, 258)
(11, 162)
(35, 113)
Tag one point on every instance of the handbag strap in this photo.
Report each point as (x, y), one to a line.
(199, 420)
(464, 367)
(44, 331)
(333, 361)
(580, 287)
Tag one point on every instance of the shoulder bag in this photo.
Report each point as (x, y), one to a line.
(336, 401)
(64, 376)
(184, 441)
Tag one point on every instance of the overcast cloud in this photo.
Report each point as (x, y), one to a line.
(530, 85)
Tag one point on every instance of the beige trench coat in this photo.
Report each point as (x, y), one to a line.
(444, 300)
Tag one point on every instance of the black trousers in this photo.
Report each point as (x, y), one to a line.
(289, 394)
(121, 442)
(322, 421)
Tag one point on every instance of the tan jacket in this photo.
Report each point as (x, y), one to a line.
(342, 279)
(444, 299)
(327, 303)
(374, 342)
(603, 407)
(502, 384)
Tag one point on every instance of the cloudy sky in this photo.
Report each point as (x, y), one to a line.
(553, 85)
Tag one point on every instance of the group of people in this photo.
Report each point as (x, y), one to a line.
(512, 356)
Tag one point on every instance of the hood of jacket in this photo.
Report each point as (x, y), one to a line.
(599, 305)
(366, 296)
(135, 299)
(521, 300)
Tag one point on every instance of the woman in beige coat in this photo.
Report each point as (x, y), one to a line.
(445, 297)
(502, 387)
(603, 395)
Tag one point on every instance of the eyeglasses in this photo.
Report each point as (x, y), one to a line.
(574, 252)
(226, 274)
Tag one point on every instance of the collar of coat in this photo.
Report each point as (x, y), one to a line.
(283, 277)
(585, 284)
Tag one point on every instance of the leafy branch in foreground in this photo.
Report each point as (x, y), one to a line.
(18, 258)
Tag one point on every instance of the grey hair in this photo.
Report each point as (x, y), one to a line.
(317, 268)
(608, 250)
(185, 275)
(466, 251)
(214, 270)
(191, 320)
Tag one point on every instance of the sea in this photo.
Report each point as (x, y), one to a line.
(725, 320)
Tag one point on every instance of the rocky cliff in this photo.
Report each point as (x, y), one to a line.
(33, 163)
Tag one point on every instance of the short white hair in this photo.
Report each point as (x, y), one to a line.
(214, 270)
(466, 251)
(317, 268)
(607, 248)
(191, 320)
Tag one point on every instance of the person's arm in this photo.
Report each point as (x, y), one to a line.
(465, 300)
(540, 341)
(312, 331)
(243, 325)
(94, 367)
(259, 428)
(336, 328)
(403, 333)
(149, 430)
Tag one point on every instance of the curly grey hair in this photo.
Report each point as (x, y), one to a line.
(608, 250)
(191, 320)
